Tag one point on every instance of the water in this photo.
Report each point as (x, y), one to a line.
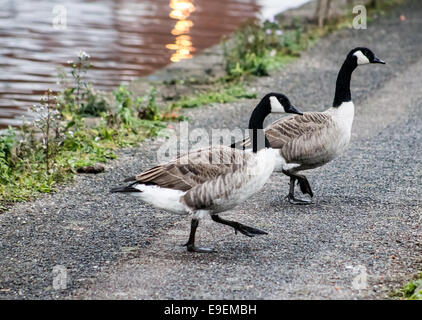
(126, 39)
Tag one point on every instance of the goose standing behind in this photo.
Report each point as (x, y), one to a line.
(212, 180)
(316, 138)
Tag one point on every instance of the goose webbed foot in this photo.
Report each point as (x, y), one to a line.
(192, 248)
(248, 231)
(293, 200)
(243, 229)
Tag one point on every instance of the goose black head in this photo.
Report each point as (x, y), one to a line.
(362, 55)
(279, 103)
(271, 103)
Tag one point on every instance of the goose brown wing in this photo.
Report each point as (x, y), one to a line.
(194, 168)
(303, 139)
(289, 129)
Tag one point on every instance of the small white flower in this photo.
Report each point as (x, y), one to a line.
(268, 31)
(273, 52)
(97, 138)
(279, 32)
(83, 55)
(251, 38)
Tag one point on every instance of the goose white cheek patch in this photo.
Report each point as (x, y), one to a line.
(276, 105)
(362, 59)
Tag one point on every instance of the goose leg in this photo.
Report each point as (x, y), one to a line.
(244, 229)
(191, 242)
(304, 187)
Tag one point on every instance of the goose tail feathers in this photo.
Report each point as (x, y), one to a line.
(125, 189)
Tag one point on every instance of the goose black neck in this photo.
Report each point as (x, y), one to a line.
(256, 125)
(343, 83)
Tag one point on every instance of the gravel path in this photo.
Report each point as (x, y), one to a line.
(366, 218)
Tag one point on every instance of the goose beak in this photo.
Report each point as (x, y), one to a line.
(292, 109)
(377, 60)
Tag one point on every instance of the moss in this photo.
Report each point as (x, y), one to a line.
(410, 291)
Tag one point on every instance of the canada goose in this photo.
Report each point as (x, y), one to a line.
(312, 140)
(212, 180)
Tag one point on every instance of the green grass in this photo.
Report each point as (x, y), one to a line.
(409, 291)
(230, 93)
(23, 172)
(259, 47)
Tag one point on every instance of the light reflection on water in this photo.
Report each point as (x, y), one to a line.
(125, 38)
(181, 10)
